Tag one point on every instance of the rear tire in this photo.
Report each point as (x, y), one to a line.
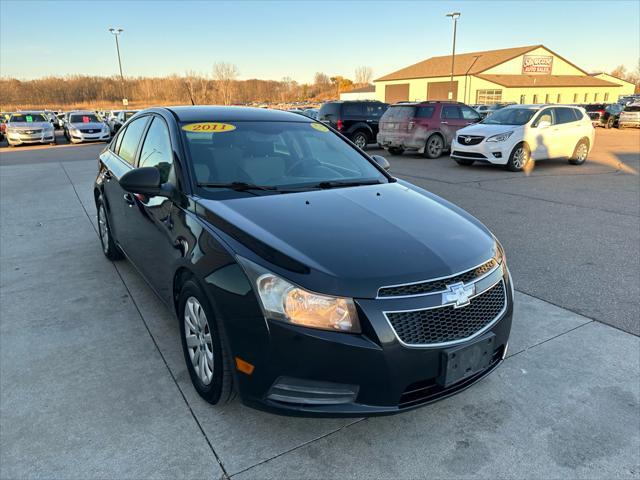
(464, 162)
(609, 123)
(434, 146)
(580, 153)
(396, 150)
(520, 157)
(361, 140)
(205, 354)
(109, 247)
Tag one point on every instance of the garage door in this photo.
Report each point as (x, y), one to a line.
(440, 90)
(396, 93)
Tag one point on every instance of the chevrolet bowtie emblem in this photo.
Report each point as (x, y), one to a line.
(458, 294)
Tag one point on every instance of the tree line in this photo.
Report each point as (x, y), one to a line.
(221, 86)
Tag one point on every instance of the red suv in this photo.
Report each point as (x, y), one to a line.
(425, 127)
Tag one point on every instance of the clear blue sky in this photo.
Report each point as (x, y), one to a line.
(271, 40)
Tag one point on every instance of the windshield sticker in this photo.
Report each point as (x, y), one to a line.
(209, 127)
(319, 127)
(29, 118)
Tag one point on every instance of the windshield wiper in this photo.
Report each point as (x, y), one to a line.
(346, 183)
(239, 186)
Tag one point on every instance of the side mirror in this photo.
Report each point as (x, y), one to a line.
(145, 181)
(383, 162)
(544, 124)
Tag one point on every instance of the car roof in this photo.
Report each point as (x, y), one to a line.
(234, 114)
(75, 112)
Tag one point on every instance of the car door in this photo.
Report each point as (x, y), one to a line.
(451, 121)
(567, 131)
(543, 141)
(151, 243)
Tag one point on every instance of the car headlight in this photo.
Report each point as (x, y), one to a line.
(498, 254)
(281, 300)
(74, 130)
(501, 137)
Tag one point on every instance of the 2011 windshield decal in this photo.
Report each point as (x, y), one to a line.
(209, 127)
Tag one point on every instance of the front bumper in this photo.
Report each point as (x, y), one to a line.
(89, 137)
(383, 375)
(30, 139)
(488, 152)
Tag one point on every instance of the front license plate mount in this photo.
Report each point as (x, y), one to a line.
(465, 361)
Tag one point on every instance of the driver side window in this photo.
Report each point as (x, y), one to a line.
(545, 116)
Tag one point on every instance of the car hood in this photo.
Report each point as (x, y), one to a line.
(352, 241)
(487, 130)
(90, 125)
(28, 125)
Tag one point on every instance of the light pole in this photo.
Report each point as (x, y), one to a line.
(454, 16)
(116, 32)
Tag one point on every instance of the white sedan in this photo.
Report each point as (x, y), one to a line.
(517, 134)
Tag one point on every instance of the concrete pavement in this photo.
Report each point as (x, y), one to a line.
(93, 382)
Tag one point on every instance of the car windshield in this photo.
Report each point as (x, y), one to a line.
(27, 117)
(83, 118)
(274, 154)
(398, 113)
(510, 116)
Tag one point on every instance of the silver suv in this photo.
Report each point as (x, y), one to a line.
(630, 116)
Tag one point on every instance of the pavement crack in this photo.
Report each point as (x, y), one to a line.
(300, 446)
(225, 475)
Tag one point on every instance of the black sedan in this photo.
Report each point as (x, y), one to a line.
(303, 276)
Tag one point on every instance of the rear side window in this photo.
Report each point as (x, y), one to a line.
(375, 110)
(329, 109)
(131, 139)
(118, 141)
(564, 115)
(398, 113)
(425, 112)
(353, 109)
(451, 111)
(156, 150)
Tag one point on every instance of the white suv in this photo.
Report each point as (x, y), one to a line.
(517, 134)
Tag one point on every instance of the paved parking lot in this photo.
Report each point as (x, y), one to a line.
(93, 382)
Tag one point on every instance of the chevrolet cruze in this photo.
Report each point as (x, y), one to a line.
(304, 277)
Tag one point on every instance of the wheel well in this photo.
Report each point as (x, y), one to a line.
(439, 134)
(181, 276)
(363, 131)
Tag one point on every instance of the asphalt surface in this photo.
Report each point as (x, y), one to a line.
(93, 382)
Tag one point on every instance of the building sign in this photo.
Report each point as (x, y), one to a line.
(537, 64)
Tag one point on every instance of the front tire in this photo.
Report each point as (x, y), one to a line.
(609, 123)
(434, 146)
(109, 247)
(361, 140)
(580, 153)
(519, 158)
(207, 359)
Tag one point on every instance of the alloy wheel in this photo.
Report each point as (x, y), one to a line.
(520, 158)
(435, 146)
(103, 228)
(360, 141)
(198, 340)
(581, 154)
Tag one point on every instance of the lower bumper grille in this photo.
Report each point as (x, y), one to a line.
(443, 325)
(429, 390)
(456, 153)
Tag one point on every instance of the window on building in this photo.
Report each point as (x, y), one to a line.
(485, 97)
(535, 99)
(595, 97)
(575, 98)
(606, 97)
(585, 97)
(558, 99)
(523, 99)
(546, 98)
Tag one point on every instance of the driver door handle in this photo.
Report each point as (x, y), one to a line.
(129, 199)
(444, 123)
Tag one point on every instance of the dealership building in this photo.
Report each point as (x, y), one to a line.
(532, 74)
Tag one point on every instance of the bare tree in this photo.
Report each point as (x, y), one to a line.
(225, 75)
(363, 76)
(197, 87)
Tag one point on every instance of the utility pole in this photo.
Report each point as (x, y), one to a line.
(454, 16)
(116, 32)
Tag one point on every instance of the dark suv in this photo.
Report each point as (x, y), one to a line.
(357, 120)
(425, 127)
(603, 115)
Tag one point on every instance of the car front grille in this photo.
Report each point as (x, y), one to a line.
(469, 139)
(89, 130)
(456, 153)
(31, 132)
(448, 324)
(439, 285)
